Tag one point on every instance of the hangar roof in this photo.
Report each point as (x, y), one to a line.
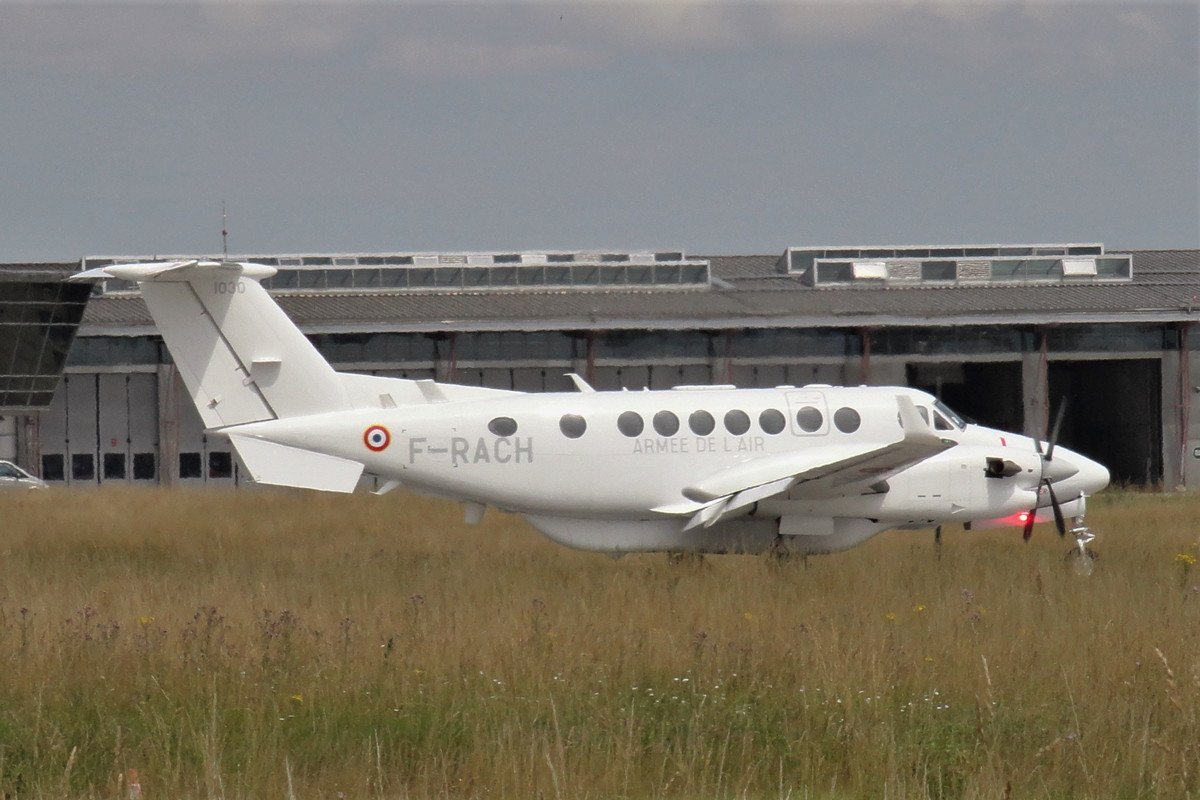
(39, 316)
(35, 273)
(747, 291)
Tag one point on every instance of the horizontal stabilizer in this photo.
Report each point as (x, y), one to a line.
(281, 465)
(177, 271)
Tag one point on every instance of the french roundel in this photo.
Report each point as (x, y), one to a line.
(377, 438)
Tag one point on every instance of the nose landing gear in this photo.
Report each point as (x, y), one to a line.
(1082, 558)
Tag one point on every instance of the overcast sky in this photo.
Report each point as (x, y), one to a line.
(717, 128)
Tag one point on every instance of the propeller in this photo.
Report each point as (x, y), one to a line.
(1048, 475)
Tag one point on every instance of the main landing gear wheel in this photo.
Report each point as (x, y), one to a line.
(684, 558)
(779, 553)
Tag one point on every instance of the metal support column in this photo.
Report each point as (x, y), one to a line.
(721, 357)
(446, 364)
(1178, 448)
(864, 361)
(168, 424)
(1035, 388)
(29, 444)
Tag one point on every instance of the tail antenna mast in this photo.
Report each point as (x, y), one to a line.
(224, 233)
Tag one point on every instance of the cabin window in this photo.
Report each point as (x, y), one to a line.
(737, 422)
(810, 419)
(503, 426)
(941, 423)
(701, 423)
(847, 420)
(630, 423)
(572, 426)
(954, 419)
(772, 421)
(666, 423)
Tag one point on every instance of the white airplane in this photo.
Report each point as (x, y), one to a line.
(695, 469)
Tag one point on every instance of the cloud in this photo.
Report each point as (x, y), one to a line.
(466, 41)
(121, 38)
(447, 56)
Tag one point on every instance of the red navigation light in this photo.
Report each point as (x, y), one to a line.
(1023, 517)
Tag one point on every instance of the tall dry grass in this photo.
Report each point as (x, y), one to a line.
(263, 644)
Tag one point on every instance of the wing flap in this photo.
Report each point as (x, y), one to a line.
(719, 510)
(804, 465)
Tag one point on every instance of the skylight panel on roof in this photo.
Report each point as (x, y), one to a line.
(955, 264)
(449, 272)
(870, 270)
(1079, 266)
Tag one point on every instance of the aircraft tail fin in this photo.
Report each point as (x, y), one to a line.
(239, 355)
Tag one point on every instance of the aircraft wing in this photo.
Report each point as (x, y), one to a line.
(816, 471)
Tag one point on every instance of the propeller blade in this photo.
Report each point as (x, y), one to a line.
(1028, 531)
(1059, 522)
(1062, 409)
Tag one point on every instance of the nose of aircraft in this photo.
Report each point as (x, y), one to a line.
(1076, 473)
(1092, 475)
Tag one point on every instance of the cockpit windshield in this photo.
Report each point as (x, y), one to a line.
(945, 411)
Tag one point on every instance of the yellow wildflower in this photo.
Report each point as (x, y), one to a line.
(1187, 559)
(919, 608)
(748, 616)
(145, 619)
(297, 698)
(890, 616)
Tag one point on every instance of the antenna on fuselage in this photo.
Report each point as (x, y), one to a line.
(224, 234)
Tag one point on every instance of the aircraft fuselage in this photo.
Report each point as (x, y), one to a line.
(620, 455)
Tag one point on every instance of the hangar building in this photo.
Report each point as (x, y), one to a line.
(1001, 332)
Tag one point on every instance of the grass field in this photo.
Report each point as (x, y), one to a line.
(263, 644)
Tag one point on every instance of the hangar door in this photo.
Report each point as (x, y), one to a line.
(204, 460)
(102, 428)
(1114, 414)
